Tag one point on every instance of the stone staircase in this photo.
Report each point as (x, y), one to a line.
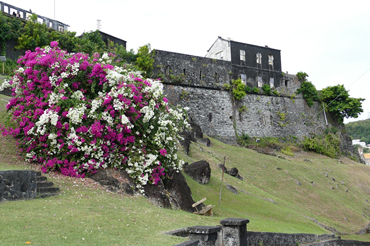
(44, 187)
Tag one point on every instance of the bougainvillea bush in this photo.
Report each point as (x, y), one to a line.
(78, 114)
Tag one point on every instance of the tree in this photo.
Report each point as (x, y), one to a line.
(339, 103)
(145, 60)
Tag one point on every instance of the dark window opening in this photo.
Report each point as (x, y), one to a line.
(200, 74)
(286, 83)
(210, 117)
(183, 71)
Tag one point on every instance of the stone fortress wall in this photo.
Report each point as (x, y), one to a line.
(197, 83)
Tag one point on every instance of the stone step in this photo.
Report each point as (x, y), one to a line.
(47, 189)
(44, 184)
(41, 178)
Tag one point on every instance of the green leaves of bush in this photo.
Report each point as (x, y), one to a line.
(309, 92)
(339, 103)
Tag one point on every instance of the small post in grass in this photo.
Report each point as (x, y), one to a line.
(222, 180)
(3, 59)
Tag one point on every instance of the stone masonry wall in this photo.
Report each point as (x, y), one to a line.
(255, 115)
(191, 70)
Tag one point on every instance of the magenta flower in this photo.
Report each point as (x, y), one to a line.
(163, 152)
(54, 44)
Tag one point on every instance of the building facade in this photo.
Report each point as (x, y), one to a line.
(254, 65)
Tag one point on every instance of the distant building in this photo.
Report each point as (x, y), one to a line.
(358, 142)
(367, 158)
(107, 37)
(17, 12)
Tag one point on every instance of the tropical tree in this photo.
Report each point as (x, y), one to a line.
(339, 103)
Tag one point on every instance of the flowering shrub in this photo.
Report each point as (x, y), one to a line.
(77, 114)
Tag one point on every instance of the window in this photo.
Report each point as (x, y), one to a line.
(242, 55)
(272, 82)
(259, 58)
(184, 71)
(243, 78)
(271, 62)
(259, 81)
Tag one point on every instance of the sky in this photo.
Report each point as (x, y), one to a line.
(327, 39)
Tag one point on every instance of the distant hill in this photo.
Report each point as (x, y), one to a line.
(359, 130)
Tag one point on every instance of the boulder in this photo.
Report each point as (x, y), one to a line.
(179, 191)
(185, 142)
(205, 141)
(233, 171)
(200, 171)
(239, 177)
(157, 195)
(103, 177)
(106, 178)
(196, 131)
(232, 189)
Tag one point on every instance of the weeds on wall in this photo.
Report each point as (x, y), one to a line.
(266, 88)
(238, 89)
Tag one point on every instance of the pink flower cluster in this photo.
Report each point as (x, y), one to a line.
(77, 114)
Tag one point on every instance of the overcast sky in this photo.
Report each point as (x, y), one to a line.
(327, 39)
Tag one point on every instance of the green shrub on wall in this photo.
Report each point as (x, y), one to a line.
(309, 92)
(238, 89)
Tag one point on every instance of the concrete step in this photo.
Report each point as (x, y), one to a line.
(44, 184)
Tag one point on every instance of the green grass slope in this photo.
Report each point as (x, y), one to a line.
(289, 195)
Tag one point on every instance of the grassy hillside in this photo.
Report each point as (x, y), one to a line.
(277, 195)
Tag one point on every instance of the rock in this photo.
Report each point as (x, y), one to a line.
(233, 171)
(185, 142)
(196, 131)
(298, 183)
(364, 231)
(222, 167)
(239, 177)
(200, 171)
(104, 178)
(180, 193)
(205, 141)
(232, 189)
(127, 189)
(157, 195)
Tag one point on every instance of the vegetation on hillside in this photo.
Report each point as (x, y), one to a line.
(359, 130)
